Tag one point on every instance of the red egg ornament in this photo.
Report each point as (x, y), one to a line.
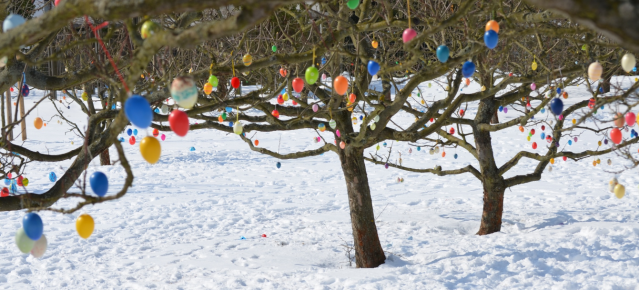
(156, 132)
(280, 99)
(565, 158)
(615, 135)
(179, 122)
(298, 85)
(352, 98)
(283, 72)
(275, 113)
(461, 113)
(534, 145)
(235, 82)
(452, 131)
(132, 140)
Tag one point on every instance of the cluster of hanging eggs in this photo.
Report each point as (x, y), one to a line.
(617, 188)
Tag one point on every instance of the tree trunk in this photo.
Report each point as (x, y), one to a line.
(492, 181)
(493, 209)
(368, 250)
(105, 159)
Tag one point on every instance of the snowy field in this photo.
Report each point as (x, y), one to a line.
(181, 225)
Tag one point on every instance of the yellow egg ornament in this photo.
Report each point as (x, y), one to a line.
(247, 59)
(285, 97)
(150, 149)
(483, 88)
(84, 225)
(534, 65)
(208, 88)
(620, 191)
(628, 62)
(599, 143)
(374, 43)
(85, 96)
(552, 160)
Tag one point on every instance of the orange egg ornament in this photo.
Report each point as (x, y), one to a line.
(352, 98)
(283, 72)
(492, 25)
(341, 85)
(37, 123)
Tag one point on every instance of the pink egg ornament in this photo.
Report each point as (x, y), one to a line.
(409, 34)
(630, 118)
(163, 137)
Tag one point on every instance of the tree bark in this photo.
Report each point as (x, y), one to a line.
(105, 158)
(368, 250)
(492, 181)
(9, 119)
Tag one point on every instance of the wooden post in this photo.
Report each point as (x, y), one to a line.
(9, 119)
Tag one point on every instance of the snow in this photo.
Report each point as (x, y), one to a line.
(181, 224)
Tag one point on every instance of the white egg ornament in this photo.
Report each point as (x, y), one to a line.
(238, 128)
(628, 62)
(184, 92)
(594, 71)
(39, 247)
(12, 21)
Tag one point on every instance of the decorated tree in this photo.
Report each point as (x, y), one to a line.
(195, 58)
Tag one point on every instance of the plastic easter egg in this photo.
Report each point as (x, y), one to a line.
(37, 123)
(342, 145)
(298, 85)
(501, 108)
(208, 88)
(132, 140)
(184, 92)
(373, 126)
(280, 99)
(468, 69)
(238, 128)
(492, 25)
(408, 34)
(352, 98)
(628, 62)
(443, 53)
(32, 225)
(39, 247)
(52, 177)
(483, 88)
(352, 4)
(247, 59)
(534, 65)
(285, 97)
(491, 38)
(315, 107)
(594, 71)
(135, 132)
(25, 90)
(19, 180)
(235, 82)
(543, 110)
(620, 191)
(340, 85)
(311, 75)
(533, 86)
(213, 81)
(274, 48)
(25, 182)
(275, 113)
(374, 43)
(534, 145)
(332, 123)
(138, 111)
(24, 243)
(321, 127)
(179, 122)
(452, 131)
(163, 137)
(148, 28)
(619, 120)
(12, 21)
(373, 67)
(556, 106)
(282, 72)
(615, 135)
(99, 183)
(84, 225)
(257, 142)
(150, 149)
(278, 165)
(85, 96)
(552, 160)
(631, 118)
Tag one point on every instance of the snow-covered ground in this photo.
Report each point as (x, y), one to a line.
(181, 225)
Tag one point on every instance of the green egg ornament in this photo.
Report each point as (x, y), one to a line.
(24, 243)
(312, 74)
(352, 4)
(373, 126)
(332, 123)
(274, 48)
(238, 128)
(213, 81)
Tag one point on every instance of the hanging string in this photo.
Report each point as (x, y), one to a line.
(408, 7)
(211, 69)
(313, 56)
(237, 119)
(232, 63)
(97, 36)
